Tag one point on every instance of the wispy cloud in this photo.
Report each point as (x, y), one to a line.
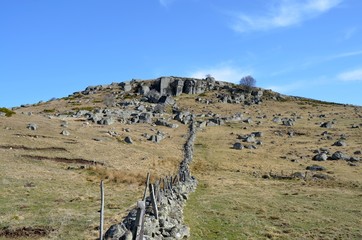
(316, 60)
(353, 75)
(286, 88)
(286, 13)
(222, 73)
(349, 33)
(166, 3)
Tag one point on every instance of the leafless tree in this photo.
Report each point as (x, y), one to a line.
(248, 82)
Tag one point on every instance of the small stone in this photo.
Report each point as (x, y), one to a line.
(315, 168)
(238, 146)
(128, 140)
(340, 143)
(65, 133)
(32, 126)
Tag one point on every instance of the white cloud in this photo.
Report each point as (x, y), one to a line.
(222, 73)
(353, 75)
(287, 13)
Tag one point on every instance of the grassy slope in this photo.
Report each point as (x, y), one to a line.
(231, 202)
(234, 202)
(63, 196)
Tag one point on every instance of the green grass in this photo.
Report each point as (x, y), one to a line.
(49, 110)
(264, 209)
(8, 112)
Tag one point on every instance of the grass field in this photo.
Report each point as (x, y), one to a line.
(49, 191)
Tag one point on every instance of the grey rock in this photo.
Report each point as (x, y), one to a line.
(128, 140)
(277, 120)
(106, 121)
(339, 156)
(116, 232)
(340, 143)
(153, 96)
(288, 122)
(164, 85)
(258, 134)
(238, 146)
(354, 159)
(144, 89)
(65, 133)
(127, 87)
(178, 86)
(32, 126)
(320, 157)
(316, 168)
(327, 125)
(250, 139)
(145, 117)
(298, 175)
(167, 100)
(163, 122)
(321, 176)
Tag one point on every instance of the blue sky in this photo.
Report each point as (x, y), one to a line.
(309, 48)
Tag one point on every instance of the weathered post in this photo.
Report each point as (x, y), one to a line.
(139, 223)
(101, 218)
(147, 182)
(153, 200)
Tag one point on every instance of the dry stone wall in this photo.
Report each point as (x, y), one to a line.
(160, 215)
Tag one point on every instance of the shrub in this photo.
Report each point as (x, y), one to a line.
(7, 112)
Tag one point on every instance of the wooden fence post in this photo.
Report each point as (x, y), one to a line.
(139, 223)
(147, 182)
(101, 219)
(153, 200)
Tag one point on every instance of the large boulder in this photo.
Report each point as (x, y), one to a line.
(165, 85)
(339, 156)
(320, 157)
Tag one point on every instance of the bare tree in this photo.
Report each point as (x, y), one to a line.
(248, 82)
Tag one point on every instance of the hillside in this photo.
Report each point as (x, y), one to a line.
(267, 165)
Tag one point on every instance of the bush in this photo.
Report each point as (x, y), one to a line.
(7, 112)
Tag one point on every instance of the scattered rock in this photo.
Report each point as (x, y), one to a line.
(65, 133)
(320, 157)
(315, 168)
(238, 146)
(340, 143)
(32, 126)
(128, 140)
(327, 125)
(321, 176)
(339, 156)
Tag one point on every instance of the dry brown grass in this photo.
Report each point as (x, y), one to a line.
(232, 200)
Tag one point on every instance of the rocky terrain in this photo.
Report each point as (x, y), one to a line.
(267, 165)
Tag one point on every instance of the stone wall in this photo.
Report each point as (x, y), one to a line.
(165, 220)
